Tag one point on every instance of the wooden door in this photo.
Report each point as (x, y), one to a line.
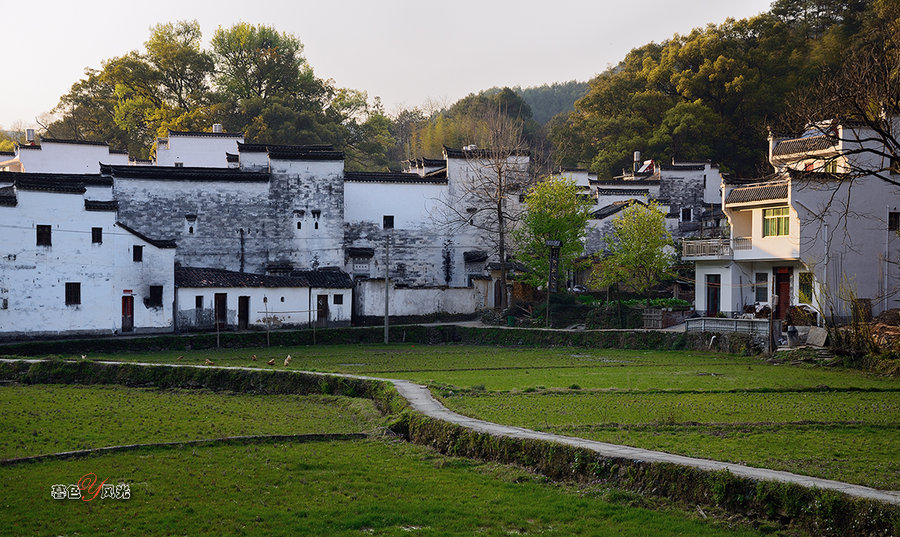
(127, 313)
(713, 294)
(783, 290)
(322, 310)
(243, 312)
(221, 307)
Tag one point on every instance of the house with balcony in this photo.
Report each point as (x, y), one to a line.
(820, 232)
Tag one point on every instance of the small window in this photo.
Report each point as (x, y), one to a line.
(762, 287)
(388, 221)
(805, 287)
(775, 222)
(179, 164)
(831, 166)
(299, 224)
(137, 253)
(191, 229)
(73, 293)
(893, 221)
(316, 225)
(198, 302)
(282, 299)
(43, 235)
(338, 299)
(155, 300)
(97, 235)
(686, 215)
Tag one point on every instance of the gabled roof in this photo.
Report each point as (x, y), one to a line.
(262, 148)
(393, 177)
(159, 243)
(761, 192)
(174, 173)
(109, 206)
(809, 144)
(325, 278)
(204, 134)
(483, 153)
(213, 277)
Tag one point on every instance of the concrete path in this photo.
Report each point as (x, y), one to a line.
(420, 399)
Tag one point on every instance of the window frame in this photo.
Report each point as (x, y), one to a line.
(776, 222)
(73, 294)
(761, 285)
(96, 235)
(137, 253)
(338, 299)
(43, 235)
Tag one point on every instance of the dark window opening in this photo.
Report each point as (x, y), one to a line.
(388, 221)
(198, 302)
(686, 214)
(191, 229)
(316, 226)
(156, 295)
(97, 235)
(137, 253)
(762, 287)
(299, 224)
(73, 293)
(179, 164)
(893, 221)
(43, 235)
(282, 299)
(338, 299)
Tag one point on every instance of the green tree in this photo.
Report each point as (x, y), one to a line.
(639, 254)
(182, 68)
(555, 210)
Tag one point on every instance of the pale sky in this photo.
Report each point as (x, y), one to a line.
(408, 52)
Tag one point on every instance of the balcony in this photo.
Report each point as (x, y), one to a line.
(709, 248)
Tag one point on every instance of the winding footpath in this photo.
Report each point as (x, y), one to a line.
(420, 399)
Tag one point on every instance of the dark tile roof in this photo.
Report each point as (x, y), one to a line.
(325, 279)
(763, 192)
(804, 145)
(360, 252)
(7, 153)
(232, 158)
(682, 167)
(93, 205)
(510, 266)
(31, 145)
(816, 176)
(159, 243)
(45, 183)
(262, 148)
(422, 161)
(118, 151)
(613, 208)
(8, 196)
(622, 191)
(637, 183)
(474, 256)
(437, 174)
(172, 173)
(483, 153)
(213, 277)
(391, 177)
(293, 154)
(67, 141)
(92, 179)
(207, 134)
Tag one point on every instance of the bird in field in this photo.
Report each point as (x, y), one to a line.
(210, 362)
(84, 356)
(287, 360)
(271, 362)
(253, 357)
(180, 358)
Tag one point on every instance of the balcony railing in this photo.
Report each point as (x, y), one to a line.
(742, 243)
(706, 248)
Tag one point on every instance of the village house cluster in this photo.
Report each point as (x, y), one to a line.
(218, 233)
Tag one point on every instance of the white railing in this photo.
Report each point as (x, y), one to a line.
(742, 243)
(707, 247)
(744, 326)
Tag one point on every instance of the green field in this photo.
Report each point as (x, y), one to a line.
(322, 488)
(42, 419)
(827, 422)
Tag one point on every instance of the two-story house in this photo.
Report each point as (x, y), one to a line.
(819, 232)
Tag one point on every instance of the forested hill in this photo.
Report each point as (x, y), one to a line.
(713, 93)
(548, 100)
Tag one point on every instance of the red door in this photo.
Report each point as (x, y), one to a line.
(783, 290)
(127, 313)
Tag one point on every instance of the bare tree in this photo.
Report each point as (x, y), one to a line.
(486, 199)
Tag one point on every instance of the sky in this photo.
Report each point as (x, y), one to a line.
(408, 52)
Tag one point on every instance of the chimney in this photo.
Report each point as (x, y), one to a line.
(217, 127)
(637, 161)
(29, 136)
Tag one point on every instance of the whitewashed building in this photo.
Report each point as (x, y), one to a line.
(68, 267)
(814, 234)
(61, 156)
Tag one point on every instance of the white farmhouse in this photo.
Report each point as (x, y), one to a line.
(61, 156)
(812, 234)
(67, 266)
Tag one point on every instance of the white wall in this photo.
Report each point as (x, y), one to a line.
(414, 206)
(205, 150)
(416, 300)
(54, 157)
(33, 278)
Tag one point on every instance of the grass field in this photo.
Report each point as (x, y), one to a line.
(42, 419)
(347, 488)
(827, 422)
